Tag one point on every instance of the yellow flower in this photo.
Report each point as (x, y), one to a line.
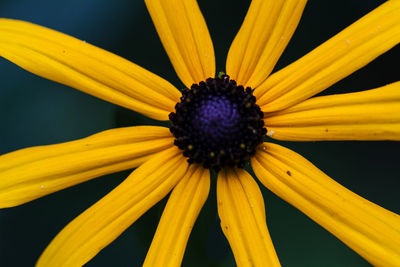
(289, 114)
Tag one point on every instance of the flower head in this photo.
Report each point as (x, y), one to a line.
(217, 122)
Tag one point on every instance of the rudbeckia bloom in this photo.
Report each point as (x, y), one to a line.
(218, 123)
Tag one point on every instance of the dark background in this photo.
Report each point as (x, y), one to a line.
(34, 111)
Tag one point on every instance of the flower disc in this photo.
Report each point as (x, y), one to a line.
(217, 123)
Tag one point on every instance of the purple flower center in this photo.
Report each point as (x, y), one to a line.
(216, 118)
(217, 123)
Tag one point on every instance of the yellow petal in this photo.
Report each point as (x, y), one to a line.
(264, 34)
(346, 52)
(33, 172)
(367, 115)
(242, 213)
(370, 230)
(75, 63)
(178, 218)
(99, 225)
(184, 34)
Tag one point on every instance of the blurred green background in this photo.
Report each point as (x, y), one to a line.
(34, 111)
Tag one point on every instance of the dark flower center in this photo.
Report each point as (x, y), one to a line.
(217, 123)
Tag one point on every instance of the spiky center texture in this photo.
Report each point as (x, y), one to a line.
(218, 123)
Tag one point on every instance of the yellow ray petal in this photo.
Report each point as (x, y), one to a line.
(265, 32)
(75, 63)
(179, 216)
(346, 52)
(184, 34)
(242, 213)
(370, 230)
(99, 225)
(33, 172)
(367, 115)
